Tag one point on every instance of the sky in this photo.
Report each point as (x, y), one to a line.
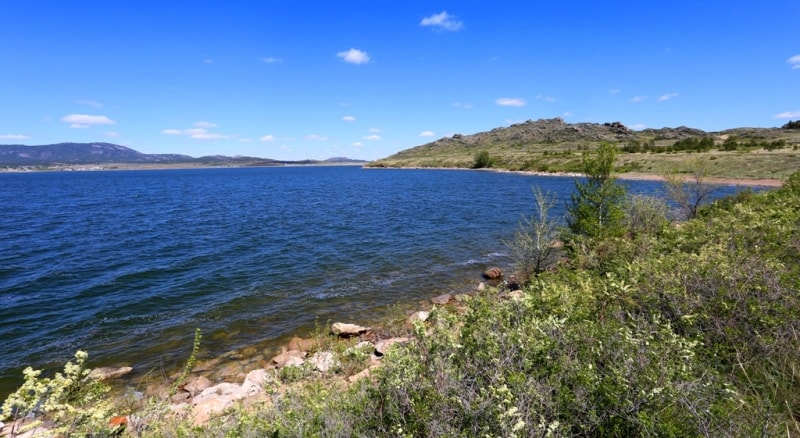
(295, 79)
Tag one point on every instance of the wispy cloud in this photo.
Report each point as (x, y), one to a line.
(358, 144)
(442, 20)
(794, 61)
(92, 103)
(787, 115)
(666, 97)
(638, 127)
(510, 101)
(567, 114)
(86, 120)
(546, 98)
(426, 134)
(14, 137)
(637, 99)
(354, 56)
(112, 134)
(614, 91)
(316, 137)
(198, 132)
(271, 60)
(374, 130)
(373, 137)
(349, 118)
(268, 137)
(462, 105)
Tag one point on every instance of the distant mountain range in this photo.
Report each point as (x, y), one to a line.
(107, 153)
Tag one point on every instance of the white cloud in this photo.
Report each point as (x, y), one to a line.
(567, 114)
(93, 103)
(358, 144)
(510, 101)
(268, 137)
(614, 91)
(316, 137)
(426, 134)
(195, 131)
(638, 127)
(86, 120)
(794, 61)
(374, 130)
(199, 132)
(349, 118)
(442, 20)
(637, 99)
(372, 137)
(462, 105)
(546, 98)
(787, 115)
(666, 97)
(354, 56)
(208, 136)
(271, 60)
(14, 137)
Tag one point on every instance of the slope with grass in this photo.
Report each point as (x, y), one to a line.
(555, 146)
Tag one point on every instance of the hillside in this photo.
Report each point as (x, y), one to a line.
(68, 154)
(552, 145)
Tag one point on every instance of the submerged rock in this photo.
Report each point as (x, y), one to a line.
(108, 373)
(493, 273)
(442, 299)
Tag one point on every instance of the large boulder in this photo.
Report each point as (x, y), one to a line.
(287, 358)
(345, 330)
(324, 361)
(383, 346)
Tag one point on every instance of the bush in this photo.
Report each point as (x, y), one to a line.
(68, 402)
(482, 160)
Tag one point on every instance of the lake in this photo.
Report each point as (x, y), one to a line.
(126, 264)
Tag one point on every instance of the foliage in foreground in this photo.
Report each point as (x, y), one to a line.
(686, 330)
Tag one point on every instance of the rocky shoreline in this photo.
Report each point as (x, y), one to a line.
(245, 377)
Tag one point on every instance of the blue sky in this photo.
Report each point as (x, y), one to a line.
(365, 79)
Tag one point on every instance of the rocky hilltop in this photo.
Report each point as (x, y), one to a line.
(554, 132)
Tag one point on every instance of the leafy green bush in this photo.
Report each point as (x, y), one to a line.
(482, 160)
(68, 402)
(595, 209)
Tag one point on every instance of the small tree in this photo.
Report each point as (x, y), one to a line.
(596, 207)
(482, 160)
(533, 247)
(691, 192)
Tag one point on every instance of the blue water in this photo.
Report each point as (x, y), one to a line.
(127, 264)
